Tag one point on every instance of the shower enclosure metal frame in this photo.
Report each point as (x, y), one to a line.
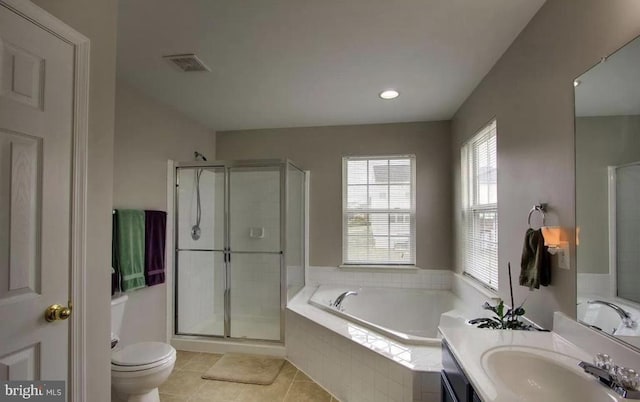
(283, 165)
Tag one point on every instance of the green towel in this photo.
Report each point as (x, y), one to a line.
(131, 248)
(536, 263)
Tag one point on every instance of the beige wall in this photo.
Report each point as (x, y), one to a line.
(320, 150)
(96, 19)
(530, 93)
(600, 142)
(147, 135)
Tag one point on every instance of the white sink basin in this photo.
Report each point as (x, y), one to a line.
(532, 374)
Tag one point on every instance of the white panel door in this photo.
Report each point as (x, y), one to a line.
(36, 106)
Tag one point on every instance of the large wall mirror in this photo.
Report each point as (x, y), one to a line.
(607, 126)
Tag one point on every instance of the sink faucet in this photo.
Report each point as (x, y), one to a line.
(623, 381)
(338, 302)
(627, 321)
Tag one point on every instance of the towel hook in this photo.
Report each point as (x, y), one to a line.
(541, 208)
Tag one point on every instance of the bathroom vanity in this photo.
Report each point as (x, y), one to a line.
(454, 384)
(504, 366)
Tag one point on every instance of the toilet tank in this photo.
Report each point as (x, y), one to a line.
(117, 313)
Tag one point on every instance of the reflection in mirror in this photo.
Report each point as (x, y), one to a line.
(608, 195)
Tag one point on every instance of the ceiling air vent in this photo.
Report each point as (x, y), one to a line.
(186, 62)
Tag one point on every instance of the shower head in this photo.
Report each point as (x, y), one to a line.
(197, 155)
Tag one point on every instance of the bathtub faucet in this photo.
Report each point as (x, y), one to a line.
(338, 302)
(627, 321)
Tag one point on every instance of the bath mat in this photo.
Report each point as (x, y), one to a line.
(247, 369)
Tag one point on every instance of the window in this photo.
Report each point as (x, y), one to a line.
(480, 206)
(378, 205)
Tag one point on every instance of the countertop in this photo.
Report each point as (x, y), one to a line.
(469, 345)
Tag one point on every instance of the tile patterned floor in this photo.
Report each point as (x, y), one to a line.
(185, 384)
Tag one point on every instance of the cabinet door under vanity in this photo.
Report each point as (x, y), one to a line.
(455, 385)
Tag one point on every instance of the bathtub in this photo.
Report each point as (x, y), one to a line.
(410, 316)
(607, 320)
(384, 345)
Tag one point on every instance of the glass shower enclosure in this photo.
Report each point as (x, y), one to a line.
(240, 250)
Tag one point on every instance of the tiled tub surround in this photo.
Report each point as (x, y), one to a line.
(355, 363)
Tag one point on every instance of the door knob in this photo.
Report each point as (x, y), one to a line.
(57, 312)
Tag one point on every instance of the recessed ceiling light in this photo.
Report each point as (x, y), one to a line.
(389, 94)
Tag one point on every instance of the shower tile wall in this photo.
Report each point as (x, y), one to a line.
(255, 296)
(254, 206)
(254, 235)
(199, 299)
(255, 244)
(212, 202)
(295, 231)
(200, 273)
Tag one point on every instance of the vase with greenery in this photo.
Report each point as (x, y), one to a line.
(509, 319)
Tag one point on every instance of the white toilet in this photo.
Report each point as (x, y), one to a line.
(137, 370)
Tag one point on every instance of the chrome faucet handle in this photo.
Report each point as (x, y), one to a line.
(603, 361)
(621, 380)
(629, 322)
(627, 377)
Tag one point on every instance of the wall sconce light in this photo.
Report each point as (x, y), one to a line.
(555, 240)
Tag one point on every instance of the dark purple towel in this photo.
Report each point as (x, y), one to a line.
(155, 227)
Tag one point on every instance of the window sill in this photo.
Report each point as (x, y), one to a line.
(390, 268)
(479, 286)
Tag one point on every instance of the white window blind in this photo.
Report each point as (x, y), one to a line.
(378, 205)
(480, 201)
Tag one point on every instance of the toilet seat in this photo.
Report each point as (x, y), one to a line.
(142, 356)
